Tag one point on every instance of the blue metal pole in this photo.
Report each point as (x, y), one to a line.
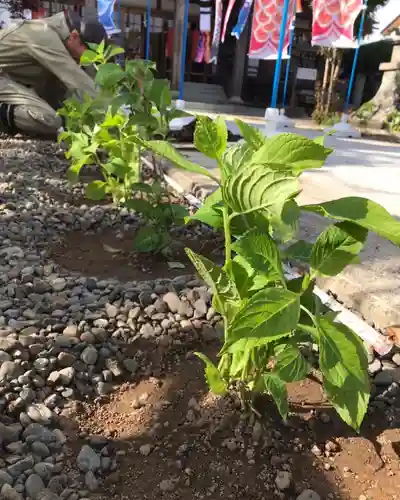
(148, 22)
(183, 52)
(355, 60)
(288, 63)
(274, 99)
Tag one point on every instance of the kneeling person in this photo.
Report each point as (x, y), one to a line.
(39, 69)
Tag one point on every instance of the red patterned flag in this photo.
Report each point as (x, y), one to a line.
(266, 29)
(333, 22)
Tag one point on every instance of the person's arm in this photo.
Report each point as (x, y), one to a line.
(49, 51)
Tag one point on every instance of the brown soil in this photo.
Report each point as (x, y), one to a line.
(204, 447)
(105, 255)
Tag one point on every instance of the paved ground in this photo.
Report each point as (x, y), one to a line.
(357, 167)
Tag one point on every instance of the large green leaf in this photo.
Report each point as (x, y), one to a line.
(237, 156)
(284, 221)
(210, 212)
(211, 136)
(290, 364)
(226, 297)
(256, 280)
(272, 313)
(88, 57)
(96, 190)
(336, 247)
(363, 212)
(239, 362)
(252, 135)
(257, 188)
(341, 353)
(167, 151)
(351, 405)
(160, 94)
(109, 74)
(300, 250)
(147, 239)
(344, 363)
(241, 275)
(295, 150)
(262, 253)
(276, 387)
(215, 381)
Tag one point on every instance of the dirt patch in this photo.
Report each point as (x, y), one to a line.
(110, 254)
(172, 435)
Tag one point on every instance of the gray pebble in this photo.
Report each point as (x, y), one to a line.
(88, 459)
(283, 480)
(91, 481)
(34, 485)
(89, 355)
(308, 495)
(9, 493)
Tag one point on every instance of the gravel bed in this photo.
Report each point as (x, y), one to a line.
(65, 337)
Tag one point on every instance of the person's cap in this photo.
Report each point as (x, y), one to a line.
(90, 30)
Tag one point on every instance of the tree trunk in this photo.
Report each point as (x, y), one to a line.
(336, 64)
(325, 81)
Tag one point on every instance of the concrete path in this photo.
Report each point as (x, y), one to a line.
(356, 168)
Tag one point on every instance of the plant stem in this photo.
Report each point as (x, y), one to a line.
(227, 234)
(310, 315)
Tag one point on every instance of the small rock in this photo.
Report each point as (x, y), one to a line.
(59, 284)
(66, 359)
(167, 485)
(5, 478)
(34, 485)
(315, 450)
(10, 433)
(172, 301)
(111, 311)
(39, 413)
(9, 370)
(308, 495)
(396, 359)
(384, 378)
(91, 481)
(257, 431)
(130, 365)
(40, 432)
(283, 480)
(88, 459)
(89, 355)
(374, 367)
(40, 449)
(66, 375)
(145, 449)
(9, 493)
(17, 468)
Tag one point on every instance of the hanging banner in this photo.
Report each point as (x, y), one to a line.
(333, 22)
(105, 9)
(266, 29)
(242, 18)
(227, 16)
(217, 31)
(39, 14)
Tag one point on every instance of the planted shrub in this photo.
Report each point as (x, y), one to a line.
(267, 317)
(107, 131)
